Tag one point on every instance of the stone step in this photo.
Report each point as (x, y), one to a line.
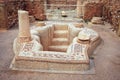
(62, 48)
(60, 41)
(60, 27)
(61, 34)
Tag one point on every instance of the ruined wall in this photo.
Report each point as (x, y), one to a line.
(111, 12)
(8, 13)
(9, 9)
(61, 4)
(36, 9)
(92, 9)
(109, 9)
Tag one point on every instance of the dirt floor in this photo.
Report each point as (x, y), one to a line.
(107, 59)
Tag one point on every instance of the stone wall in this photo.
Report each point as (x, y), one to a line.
(111, 12)
(9, 8)
(8, 13)
(61, 4)
(36, 9)
(93, 9)
(109, 9)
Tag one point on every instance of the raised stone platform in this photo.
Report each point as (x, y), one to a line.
(35, 55)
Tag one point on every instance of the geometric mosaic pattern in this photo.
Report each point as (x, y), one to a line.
(78, 52)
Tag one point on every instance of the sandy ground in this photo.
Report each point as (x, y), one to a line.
(107, 59)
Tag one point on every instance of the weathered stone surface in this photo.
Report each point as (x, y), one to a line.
(118, 31)
(9, 8)
(24, 26)
(79, 25)
(97, 20)
(36, 9)
(61, 4)
(76, 59)
(111, 12)
(8, 13)
(93, 9)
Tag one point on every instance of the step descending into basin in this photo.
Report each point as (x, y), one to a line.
(59, 41)
(61, 27)
(62, 48)
(61, 33)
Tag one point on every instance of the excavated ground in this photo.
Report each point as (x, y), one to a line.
(106, 57)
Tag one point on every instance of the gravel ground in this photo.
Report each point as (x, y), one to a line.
(107, 59)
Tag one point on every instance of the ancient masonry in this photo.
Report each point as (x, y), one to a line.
(54, 47)
(108, 9)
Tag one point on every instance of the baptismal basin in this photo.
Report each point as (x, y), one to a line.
(54, 47)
